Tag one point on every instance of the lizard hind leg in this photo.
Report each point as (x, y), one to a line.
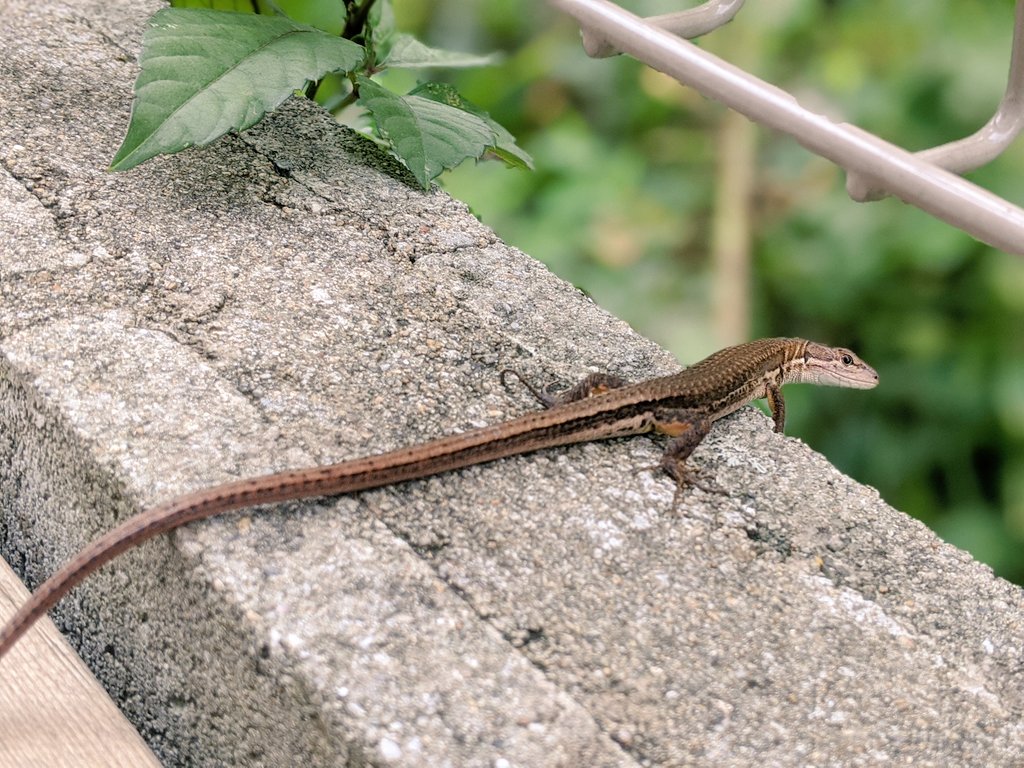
(686, 431)
(594, 384)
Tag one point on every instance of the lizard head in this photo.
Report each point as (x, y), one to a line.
(836, 367)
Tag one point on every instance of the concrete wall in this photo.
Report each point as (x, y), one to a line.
(283, 299)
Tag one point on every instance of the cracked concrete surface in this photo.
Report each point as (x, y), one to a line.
(282, 299)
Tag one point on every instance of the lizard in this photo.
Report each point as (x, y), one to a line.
(682, 406)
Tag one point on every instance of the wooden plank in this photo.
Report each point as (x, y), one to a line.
(52, 710)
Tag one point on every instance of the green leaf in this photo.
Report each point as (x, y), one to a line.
(504, 146)
(382, 19)
(409, 53)
(426, 135)
(327, 15)
(205, 73)
(238, 6)
(381, 28)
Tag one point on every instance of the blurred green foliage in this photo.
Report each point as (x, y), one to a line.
(622, 199)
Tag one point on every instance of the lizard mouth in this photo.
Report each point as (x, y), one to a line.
(864, 378)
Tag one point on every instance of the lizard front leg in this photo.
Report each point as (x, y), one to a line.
(778, 406)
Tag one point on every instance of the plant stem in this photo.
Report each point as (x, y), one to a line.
(356, 21)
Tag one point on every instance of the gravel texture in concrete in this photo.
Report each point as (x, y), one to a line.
(286, 298)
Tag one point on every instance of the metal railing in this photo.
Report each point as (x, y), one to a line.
(874, 167)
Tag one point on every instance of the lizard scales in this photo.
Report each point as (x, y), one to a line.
(682, 405)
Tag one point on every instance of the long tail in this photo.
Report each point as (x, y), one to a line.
(525, 434)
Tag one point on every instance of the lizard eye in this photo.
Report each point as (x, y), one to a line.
(847, 359)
